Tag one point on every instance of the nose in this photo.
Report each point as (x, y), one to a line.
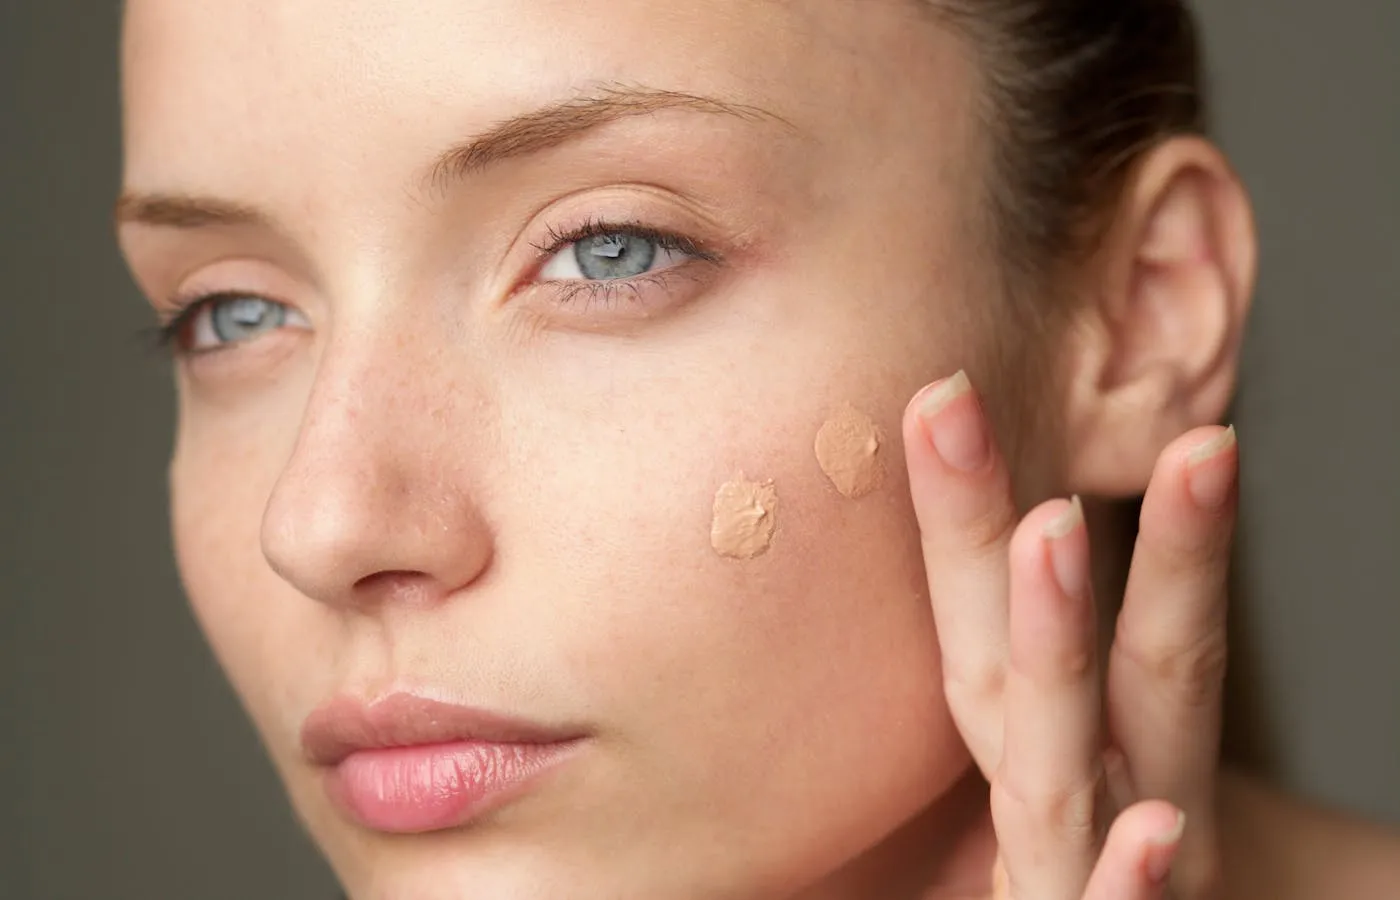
(375, 503)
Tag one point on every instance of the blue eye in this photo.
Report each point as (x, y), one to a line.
(613, 255)
(221, 320)
(608, 256)
(240, 318)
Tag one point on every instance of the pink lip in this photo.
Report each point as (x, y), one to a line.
(406, 764)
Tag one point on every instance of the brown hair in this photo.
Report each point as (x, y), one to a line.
(1074, 92)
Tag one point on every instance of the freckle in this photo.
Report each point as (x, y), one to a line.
(745, 517)
(848, 448)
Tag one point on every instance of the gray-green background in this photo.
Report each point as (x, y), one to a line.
(126, 770)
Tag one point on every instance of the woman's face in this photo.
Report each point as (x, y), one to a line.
(511, 289)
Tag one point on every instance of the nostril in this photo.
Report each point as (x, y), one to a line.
(400, 587)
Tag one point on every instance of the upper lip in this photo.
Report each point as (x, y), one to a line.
(345, 724)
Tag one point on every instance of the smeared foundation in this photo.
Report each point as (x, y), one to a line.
(848, 448)
(745, 518)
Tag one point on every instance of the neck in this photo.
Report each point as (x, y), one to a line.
(946, 852)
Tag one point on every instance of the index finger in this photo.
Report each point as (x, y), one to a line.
(962, 496)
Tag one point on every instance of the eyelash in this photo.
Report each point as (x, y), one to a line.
(669, 240)
(166, 335)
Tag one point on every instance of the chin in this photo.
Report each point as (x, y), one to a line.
(516, 873)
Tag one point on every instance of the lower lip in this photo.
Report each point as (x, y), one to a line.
(410, 790)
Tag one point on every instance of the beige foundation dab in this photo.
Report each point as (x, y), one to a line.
(745, 518)
(849, 448)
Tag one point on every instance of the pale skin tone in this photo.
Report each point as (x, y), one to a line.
(448, 464)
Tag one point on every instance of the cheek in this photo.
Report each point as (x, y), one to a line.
(802, 686)
(271, 643)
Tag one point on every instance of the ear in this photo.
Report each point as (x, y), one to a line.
(1156, 350)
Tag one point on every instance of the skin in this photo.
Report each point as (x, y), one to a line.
(452, 473)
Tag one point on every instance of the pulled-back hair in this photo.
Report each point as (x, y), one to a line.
(1073, 93)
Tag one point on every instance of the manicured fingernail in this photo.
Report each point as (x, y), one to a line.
(958, 432)
(1161, 850)
(1071, 568)
(1210, 480)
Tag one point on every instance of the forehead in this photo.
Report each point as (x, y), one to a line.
(262, 78)
(371, 32)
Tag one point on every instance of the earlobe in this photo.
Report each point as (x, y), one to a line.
(1170, 288)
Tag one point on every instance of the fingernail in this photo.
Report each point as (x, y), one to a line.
(1161, 850)
(1071, 569)
(1209, 481)
(958, 434)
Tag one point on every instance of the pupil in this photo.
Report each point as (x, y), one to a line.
(610, 247)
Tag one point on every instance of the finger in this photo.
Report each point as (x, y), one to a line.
(962, 497)
(1121, 793)
(1167, 665)
(1138, 855)
(1049, 789)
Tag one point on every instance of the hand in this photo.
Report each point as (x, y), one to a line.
(1067, 751)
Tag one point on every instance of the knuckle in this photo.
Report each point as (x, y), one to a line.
(1183, 554)
(1072, 664)
(1073, 813)
(1193, 668)
(1070, 814)
(1186, 548)
(975, 685)
(987, 529)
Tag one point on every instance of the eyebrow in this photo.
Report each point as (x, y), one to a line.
(182, 211)
(533, 132)
(551, 126)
